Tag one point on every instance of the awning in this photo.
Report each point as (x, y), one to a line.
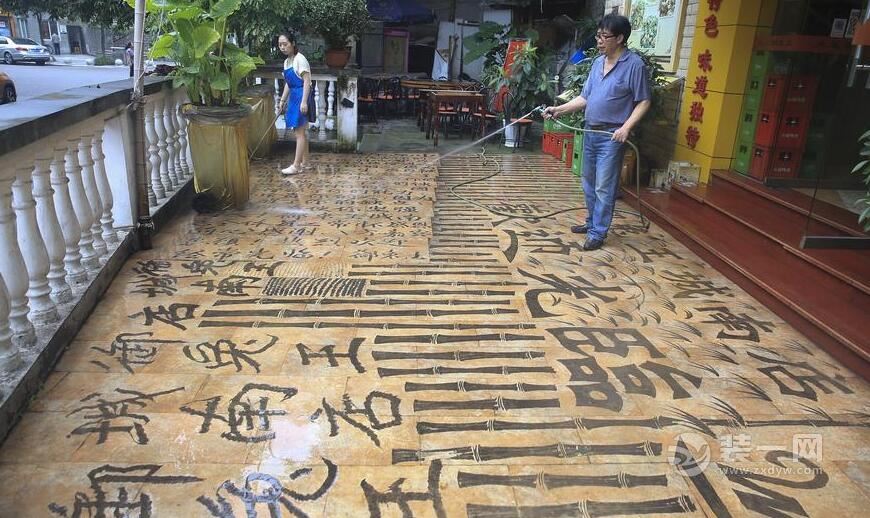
(399, 11)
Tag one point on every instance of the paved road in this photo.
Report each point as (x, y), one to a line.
(33, 81)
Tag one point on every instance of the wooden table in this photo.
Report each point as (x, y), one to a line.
(473, 100)
(428, 84)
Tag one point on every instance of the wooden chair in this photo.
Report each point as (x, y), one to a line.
(368, 89)
(485, 118)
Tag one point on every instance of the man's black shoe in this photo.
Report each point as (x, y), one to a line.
(593, 244)
(580, 229)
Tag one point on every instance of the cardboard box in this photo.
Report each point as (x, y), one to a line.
(658, 179)
(683, 172)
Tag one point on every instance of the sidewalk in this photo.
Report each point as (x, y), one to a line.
(72, 59)
(87, 60)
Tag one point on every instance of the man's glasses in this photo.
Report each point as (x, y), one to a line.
(602, 36)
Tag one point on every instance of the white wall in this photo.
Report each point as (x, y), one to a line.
(459, 31)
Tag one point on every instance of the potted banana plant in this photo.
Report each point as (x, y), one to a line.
(211, 69)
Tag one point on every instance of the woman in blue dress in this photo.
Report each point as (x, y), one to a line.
(297, 88)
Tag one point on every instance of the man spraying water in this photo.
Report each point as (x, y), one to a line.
(616, 96)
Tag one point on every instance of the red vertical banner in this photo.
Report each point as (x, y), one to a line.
(513, 47)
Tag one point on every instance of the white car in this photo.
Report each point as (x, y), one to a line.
(22, 49)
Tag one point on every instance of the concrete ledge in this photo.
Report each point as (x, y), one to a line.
(52, 341)
(25, 123)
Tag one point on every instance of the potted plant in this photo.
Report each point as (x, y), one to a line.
(336, 21)
(211, 69)
(528, 84)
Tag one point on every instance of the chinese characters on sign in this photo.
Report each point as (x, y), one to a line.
(705, 66)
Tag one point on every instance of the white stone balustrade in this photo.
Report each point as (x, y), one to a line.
(81, 205)
(46, 217)
(107, 201)
(162, 152)
(334, 120)
(184, 150)
(167, 154)
(9, 357)
(60, 200)
(69, 223)
(12, 266)
(86, 161)
(33, 251)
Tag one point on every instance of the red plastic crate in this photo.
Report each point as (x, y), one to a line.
(774, 89)
(759, 162)
(785, 163)
(569, 153)
(801, 93)
(545, 142)
(765, 129)
(556, 151)
(793, 130)
(775, 163)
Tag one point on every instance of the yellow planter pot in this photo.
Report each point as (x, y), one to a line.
(218, 139)
(262, 134)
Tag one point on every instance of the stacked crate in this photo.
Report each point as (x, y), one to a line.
(557, 144)
(546, 140)
(782, 126)
(577, 158)
(567, 147)
(759, 66)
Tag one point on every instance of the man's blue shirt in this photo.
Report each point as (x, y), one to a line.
(611, 99)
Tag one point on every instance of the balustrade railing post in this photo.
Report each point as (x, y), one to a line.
(176, 124)
(107, 220)
(66, 215)
(279, 90)
(9, 357)
(182, 135)
(33, 251)
(52, 235)
(81, 205)
(162, 152)
(330, 106)
(321, 110)
(13, 270)
(171, 140)
(153, 155)
(86, 161)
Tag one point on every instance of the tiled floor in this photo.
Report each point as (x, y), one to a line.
(360, 342)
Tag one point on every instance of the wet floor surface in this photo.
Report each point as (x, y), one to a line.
(360, 342)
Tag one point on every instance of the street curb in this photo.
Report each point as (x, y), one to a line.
(86, 65)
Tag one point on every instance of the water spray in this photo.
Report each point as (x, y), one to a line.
(644, 222)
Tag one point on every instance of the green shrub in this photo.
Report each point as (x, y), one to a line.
(104, 60)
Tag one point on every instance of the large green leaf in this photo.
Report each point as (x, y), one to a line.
(240, 70)
(224, 8)
(187, 13)
(220, 82)
(163, 46)
(204, 38)
(860, 166)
